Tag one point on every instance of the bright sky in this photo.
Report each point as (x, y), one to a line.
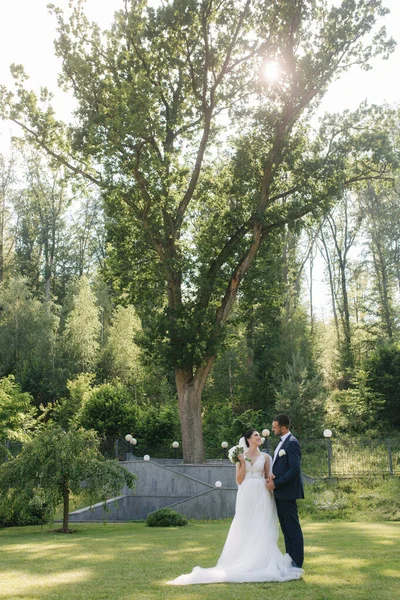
(27, 32)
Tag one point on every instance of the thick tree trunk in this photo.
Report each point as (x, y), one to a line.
(190, 388)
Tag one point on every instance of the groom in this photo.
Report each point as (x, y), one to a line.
(287, 485)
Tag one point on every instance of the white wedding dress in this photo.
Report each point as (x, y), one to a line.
(251, 552)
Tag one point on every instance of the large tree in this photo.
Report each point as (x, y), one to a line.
(158, 97)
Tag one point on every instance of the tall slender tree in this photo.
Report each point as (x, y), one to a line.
(81, 334)
(7, 182)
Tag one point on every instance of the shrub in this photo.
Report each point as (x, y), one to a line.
(166, 517)
(19, 511)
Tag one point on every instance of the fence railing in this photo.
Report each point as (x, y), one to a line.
(320, 457)
(330, 457)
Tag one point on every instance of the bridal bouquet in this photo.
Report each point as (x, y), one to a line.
(234, 452)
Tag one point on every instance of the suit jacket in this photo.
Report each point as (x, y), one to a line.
(287, 471)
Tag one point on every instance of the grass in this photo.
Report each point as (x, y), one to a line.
(346, 561)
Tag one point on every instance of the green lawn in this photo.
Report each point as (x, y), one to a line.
(344, 561)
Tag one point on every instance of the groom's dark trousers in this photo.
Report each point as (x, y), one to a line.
(288, 489)
(290, 525)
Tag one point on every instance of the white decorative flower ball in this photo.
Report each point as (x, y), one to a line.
(327, 433)
(265, 432)
(218, 484)
(133, 441)
(146, 457)
(175, 444)
(128, 437)
(224, 444)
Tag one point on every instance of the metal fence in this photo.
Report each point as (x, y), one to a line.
(347, 458)
(336, 458)
(320, 457)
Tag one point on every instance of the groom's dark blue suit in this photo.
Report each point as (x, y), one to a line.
(288, 489)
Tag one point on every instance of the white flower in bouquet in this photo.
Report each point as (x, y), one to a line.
(234, 452)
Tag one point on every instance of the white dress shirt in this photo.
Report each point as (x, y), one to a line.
(283, 438)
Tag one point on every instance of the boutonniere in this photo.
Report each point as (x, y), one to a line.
(282, 452)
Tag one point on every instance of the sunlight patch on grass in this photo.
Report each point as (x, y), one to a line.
(391, 573)
(329, 580)
(351, 562)
(313, 549)
(185, 550)
(14, 583)
(131, 546)
(33, 548)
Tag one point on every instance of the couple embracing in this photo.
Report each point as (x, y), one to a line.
(268, 490)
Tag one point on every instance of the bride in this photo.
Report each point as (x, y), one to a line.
(251, 552)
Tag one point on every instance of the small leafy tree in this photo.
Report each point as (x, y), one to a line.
(56, 463)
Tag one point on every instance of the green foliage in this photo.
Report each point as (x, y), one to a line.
(222, 422)
(121, 354)
(166, 517)
(157, 426)
(55, 463)
(18, 509)
(382, 369)
(358, 409)
(28, 331)
(188, 209)
(301, 396)
(16, 414)
(65, 410)
(366, 499)
(16, 410)
(110, 410)
(82, 328)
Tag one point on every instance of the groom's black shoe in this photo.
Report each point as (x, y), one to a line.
(293, 564)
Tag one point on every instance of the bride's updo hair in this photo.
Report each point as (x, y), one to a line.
(247, 434)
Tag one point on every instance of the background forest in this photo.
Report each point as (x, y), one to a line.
(72, 348)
